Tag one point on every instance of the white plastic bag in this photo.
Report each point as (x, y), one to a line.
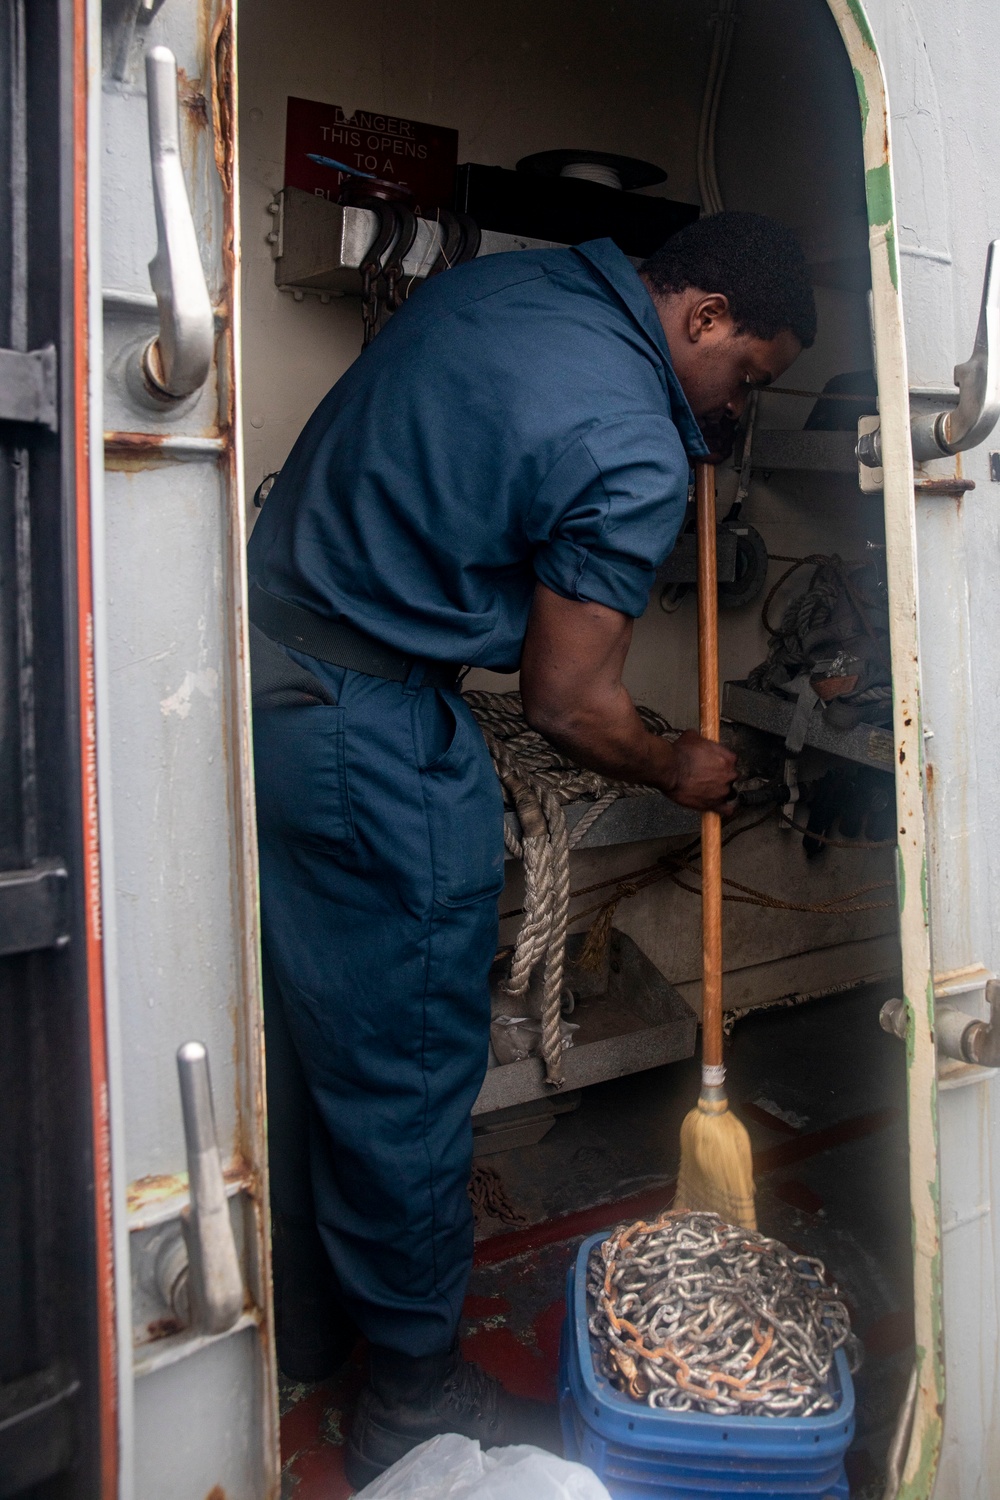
(451, 1467)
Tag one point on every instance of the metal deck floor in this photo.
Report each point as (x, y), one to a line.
(822, 1091)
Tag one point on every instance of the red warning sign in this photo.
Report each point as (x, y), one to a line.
(414, 155)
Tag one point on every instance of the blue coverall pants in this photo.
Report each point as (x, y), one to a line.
(380, 828)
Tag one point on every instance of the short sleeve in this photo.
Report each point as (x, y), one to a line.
(610, 510)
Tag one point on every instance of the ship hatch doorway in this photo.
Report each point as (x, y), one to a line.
(812, 932)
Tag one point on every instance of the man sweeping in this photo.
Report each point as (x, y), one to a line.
(493, 483)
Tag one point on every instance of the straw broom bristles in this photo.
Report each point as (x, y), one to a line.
(716, 1173)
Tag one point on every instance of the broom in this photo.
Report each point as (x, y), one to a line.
(716, 1172)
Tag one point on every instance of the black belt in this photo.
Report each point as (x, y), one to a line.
(340, 644)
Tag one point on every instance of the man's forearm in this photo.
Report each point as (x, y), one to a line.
(572, 691)
(608, 736)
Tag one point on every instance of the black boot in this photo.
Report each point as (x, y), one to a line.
(313, 1334)
(409, 1400)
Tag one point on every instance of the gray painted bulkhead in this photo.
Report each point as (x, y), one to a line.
(183, 955)
(197, 1413)
(945, 121)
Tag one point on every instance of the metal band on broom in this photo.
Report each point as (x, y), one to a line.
(716, 1171)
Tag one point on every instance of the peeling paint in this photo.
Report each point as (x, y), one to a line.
(878, 191)
(162, 1196)
(144, 1192)
(205, 682)
(859, 84)
(857, 11)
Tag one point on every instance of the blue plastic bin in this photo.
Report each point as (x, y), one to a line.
(641, 1452)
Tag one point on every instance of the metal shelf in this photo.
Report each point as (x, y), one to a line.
(630, 820)
(864, 744)
(777, 448)
(638, 1021)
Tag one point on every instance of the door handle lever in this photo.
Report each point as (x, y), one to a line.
(176, 363)
(941, 434)
(978, 379)
(215, 1286)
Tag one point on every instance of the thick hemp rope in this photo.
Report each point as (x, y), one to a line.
(537, 781)
(694, 1314)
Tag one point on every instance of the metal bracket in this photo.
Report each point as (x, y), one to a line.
(960, 1037)
(33, 908)
(28, 387)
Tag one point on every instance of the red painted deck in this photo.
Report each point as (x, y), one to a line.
(512, 1318)
(821, 1091)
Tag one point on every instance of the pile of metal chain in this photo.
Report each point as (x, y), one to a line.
(695, 1314)
(536, 782)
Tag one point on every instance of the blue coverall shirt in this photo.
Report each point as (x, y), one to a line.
(518, 420)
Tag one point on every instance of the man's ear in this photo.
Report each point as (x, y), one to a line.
(707, 314)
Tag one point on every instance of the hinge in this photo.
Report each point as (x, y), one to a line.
(28, 387)
(33, 908)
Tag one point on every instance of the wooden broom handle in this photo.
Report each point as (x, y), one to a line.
(711, 823)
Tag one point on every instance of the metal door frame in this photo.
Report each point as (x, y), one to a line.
(924, 1445)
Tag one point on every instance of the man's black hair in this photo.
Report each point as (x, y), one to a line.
(754, 261)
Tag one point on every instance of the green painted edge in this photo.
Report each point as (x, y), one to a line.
(859, 84)
(861, 21)
(878, 187)
(922, 1483)
(878, 190)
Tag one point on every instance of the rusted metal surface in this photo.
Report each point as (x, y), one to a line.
(161, 1328)
(956, 486)
(251, 1107)
(163, 1196)
(132, 452)
(155, 1189)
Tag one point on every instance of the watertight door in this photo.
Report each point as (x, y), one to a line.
(197, 1391)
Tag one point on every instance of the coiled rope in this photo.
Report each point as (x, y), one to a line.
(537, 781)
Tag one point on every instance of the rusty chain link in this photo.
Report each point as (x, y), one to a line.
(695, 1314)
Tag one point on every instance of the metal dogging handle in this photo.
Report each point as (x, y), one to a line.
(943, 433)
(215, 1286)
(176, 363)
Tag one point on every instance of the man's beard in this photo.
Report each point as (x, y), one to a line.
(719, 431)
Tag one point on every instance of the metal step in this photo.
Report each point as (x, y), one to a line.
(637, 1021)
(865, 744)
